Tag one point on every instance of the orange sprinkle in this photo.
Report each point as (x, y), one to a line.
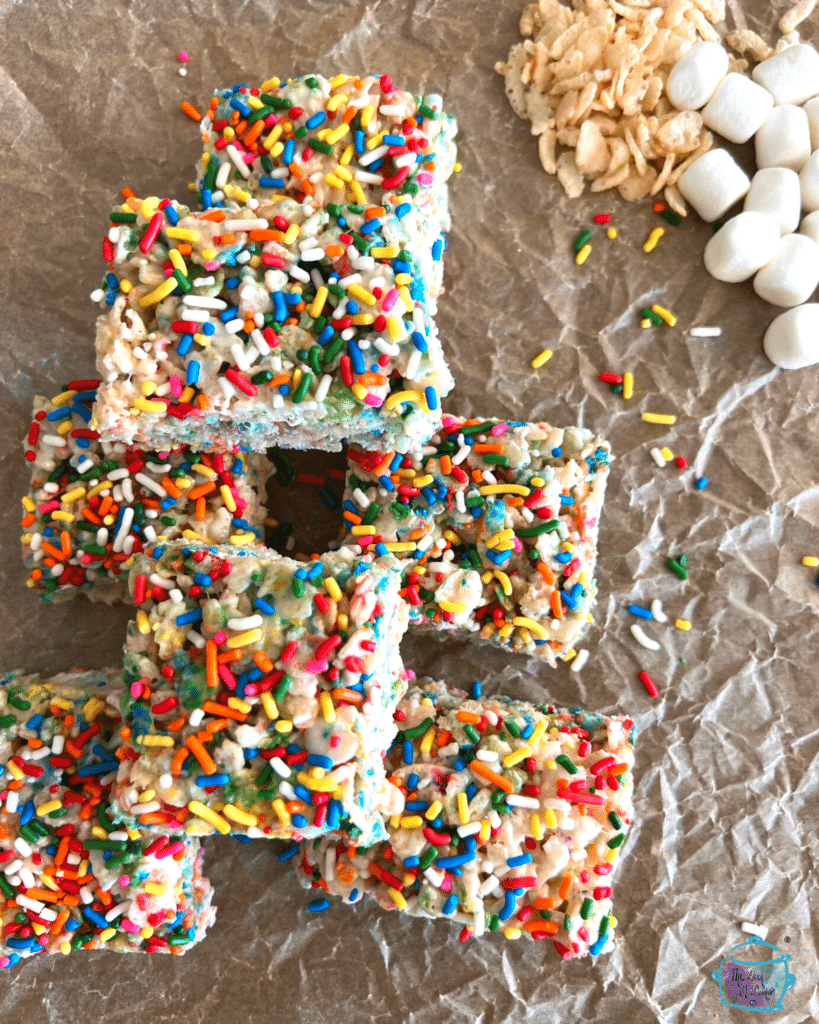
(29, 519)
(59, 921)
(375, 211)
(468, 716)
(446, 465)
(348, 696)
(294, 807)
(549, 927)
(545, 903)
(283, 378)
(554, 601)
(178, 762)
(349, 114)
(496, 449)
(185, 248)
(545, 573)
(201, 510)
(171, 487)
(190, 110)
(262, 235)
(477, 476)
(176, 724)
(202, 490)
(212, 663)
(212, 708)
(227, 239)
(226, 657)
(264, 663)
(479, 768)
(254, 132)
(374, 380)
(201, 755)
(126, 193)
(89, 515)
(565, 887)
(334, 251)
(215, 215)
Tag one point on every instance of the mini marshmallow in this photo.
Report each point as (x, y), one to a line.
(775, 192)
(713, 183)
(810, 226)
(694, 79)
(811, 108)
(792, 340)
(741, 246)
(809, 183)
(784, 138)
(738, 108)
(792, 75)
(792, 275)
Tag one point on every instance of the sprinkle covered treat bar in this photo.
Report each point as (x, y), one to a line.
(93, 504)
(498, 522)
(262, 691)
(281, 325)
(506, 816)
(70, 878)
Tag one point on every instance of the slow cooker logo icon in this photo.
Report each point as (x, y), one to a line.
(754, 976)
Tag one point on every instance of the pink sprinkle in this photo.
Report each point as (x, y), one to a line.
(227, 677)
(220, 637)
(390, 299)
(517, 545)
(317, 666)
(425, 178)
(136, 689)
(498, 429)
(183, 55)
(374, 400)
(446, 885)
(124, 881)
(176, 385)
(49, 506)
(129, 926)
(212, 265)
(447, 422)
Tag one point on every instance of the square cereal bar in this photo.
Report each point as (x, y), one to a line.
(70, 878)
(349, 140)
(262, 691)
(498, 523)
(281, 325)
(506, 816)
(93, 504)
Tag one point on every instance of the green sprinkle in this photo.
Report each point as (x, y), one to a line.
(472, 733)
(304, 386)
(6, 888)
(418, 730)
(615, 821)
(678, 570)
(114, 845)
(333, 349)
(20, 703)
(121, 217)
(298, 587)
(494, 923)
(313, 357)
(322, 147)
(426, 859)
(182, 280)
(371, 514)
(478, 428)
(566, 763)
(581, 240)
(616, 841)
(400, 511)
(649, 314)
(428, 112)
(361, 244)
(301, 132)
(178, 940)
(671, 217)
(7, 721)
(604, 926)
(586, 908)
(496, 460)
(262, 377)
(475, 501)
(536, 531)
(513, 728)
(284, 685)
(277, 102)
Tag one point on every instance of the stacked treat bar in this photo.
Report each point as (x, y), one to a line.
(266, 697)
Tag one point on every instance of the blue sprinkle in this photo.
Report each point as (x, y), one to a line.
(386, 483)
(94, 917)
(354, 894)
(279, 305)
(266, 182)
(701, 483)
(431, 397)
(416, 806)
(318, 118)
(375, 165)
(369, 226)
(207, 328)
(229, 314)
(232, 282)
(557, 452)
(359, 142)
(34, 722)
(27, 813)
(326, 335)
(508, 908)
(520, 860)
(299, 820)
(202, 580)
(317, 905)
(218, 779)
(303, 794)
(437, 249)
(207, 202)
(98, 769)
(566, 499)
(356, 358)
(263, 606)
(564, 557)
(284, 390)
(333, 814)
(568, 600)
(577, 591)
(402, 210)
(476, 690)
(289, 852)
(352, 307)
(243, 109)
(250, 752)
(58, 414)
(393, 140)
(289, 150)
(450, 905)
(185, 345)
(186, 618)
(471, 790)
(406, 751)
(641, 613)
(412, 862)
(598, 944)
(319, 760)
(244, 840)
(412, 781)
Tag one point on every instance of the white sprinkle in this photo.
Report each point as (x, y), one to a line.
(234, 326)
(579, 661)
(165, 782)
(330, 864)
(479, 923)
(118, 910)
(195, 717)
(747, 926)
(12, 802)
(373, 155)
(124, 528)
(196, 639)
(367, 178)
(251, 224)
(280, 768)
(239, 161)
(657, 610)
(222, 175)
(434, 877)
(248, 622)
(149, 808)
(260, 342)
(516, 800)
(488, 885)
(204, 302)
(487, 755)
(643, 640)
(22, 847)
(298, 273)
(705, 332)
(311, 255)
(97, 295)
(470, 829)
(657, 455)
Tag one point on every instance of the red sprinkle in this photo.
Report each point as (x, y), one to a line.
(610, 378)
(602, 218)
(649, 684)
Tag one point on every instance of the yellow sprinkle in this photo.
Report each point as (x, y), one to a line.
(109, 933)
(345, 175)
(367, 115)
(332, 588)
(250, 636)
(335, 82)
(485, 833)
(628, 385)
(584, 254)
(273, 137)
(146, 405)
(400, 546)
(183, 235)
(395, 821)
(334, 181)
(155, 741)
(65, 517)
(454, 607)
(269, 706)
(358, 192)
(159, 293)
(517, 755)
(504, 581)
(281, 811)
(398, 397)
(72, 495)
(253, 101)
(463, 809)
(667, 454)
(317, 785)
(240, 705)
(29, 505)
(650, 243)
(284, 725)
(375, 140)
(270, 84)
(239, 816)
(542, 358)
(328, 711)
(146, 797)
(811, 561)
(337, 134)
(397, 898)
(434, 809)
(645, 323)
(503, 488)
(342, 620)
(359, 392)
(146, 932)
(683, 624)
(612, 233)
(538, 732)
(65, 948)
(526, 623)
(666, 315)
(358, 292)
(143, 622)
(242, 539)
(657, 417)
(512, 933)
(148, 206)
(384, 252)
(175, 256)
(549, 818)
(363, 319)
(336, 101)
(611, 855)
(500, 536)
(197, 467)
(412, 821)
(47, 808)
(536, 826)
(65, 428)
(426, 742)
(64, 398)
(211, 817)
(227, 497)
(155, 889)
(506, 631)
(292, 234)
(347, 156)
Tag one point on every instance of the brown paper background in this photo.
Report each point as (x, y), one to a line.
(727, 758)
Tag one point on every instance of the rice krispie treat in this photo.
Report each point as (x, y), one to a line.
(93, 504)
(70, 878)
(498, 523)
(506, 816)
(282, 325)
(262, 691)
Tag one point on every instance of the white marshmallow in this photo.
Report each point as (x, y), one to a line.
(809, 183)
(792, 340)
(784, 138)
(737, 108)
(713, 183)
(792, 75)
(811, 108)
(792, 275)
(741, 246)
(694, 79)
(810, 226)
(775, 192)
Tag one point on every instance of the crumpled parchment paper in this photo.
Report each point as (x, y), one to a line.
(728, 757)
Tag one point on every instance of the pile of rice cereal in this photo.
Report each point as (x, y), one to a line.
(591, 78)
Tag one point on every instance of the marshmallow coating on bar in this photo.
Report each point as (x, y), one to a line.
(506, 816)
(262, 691)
